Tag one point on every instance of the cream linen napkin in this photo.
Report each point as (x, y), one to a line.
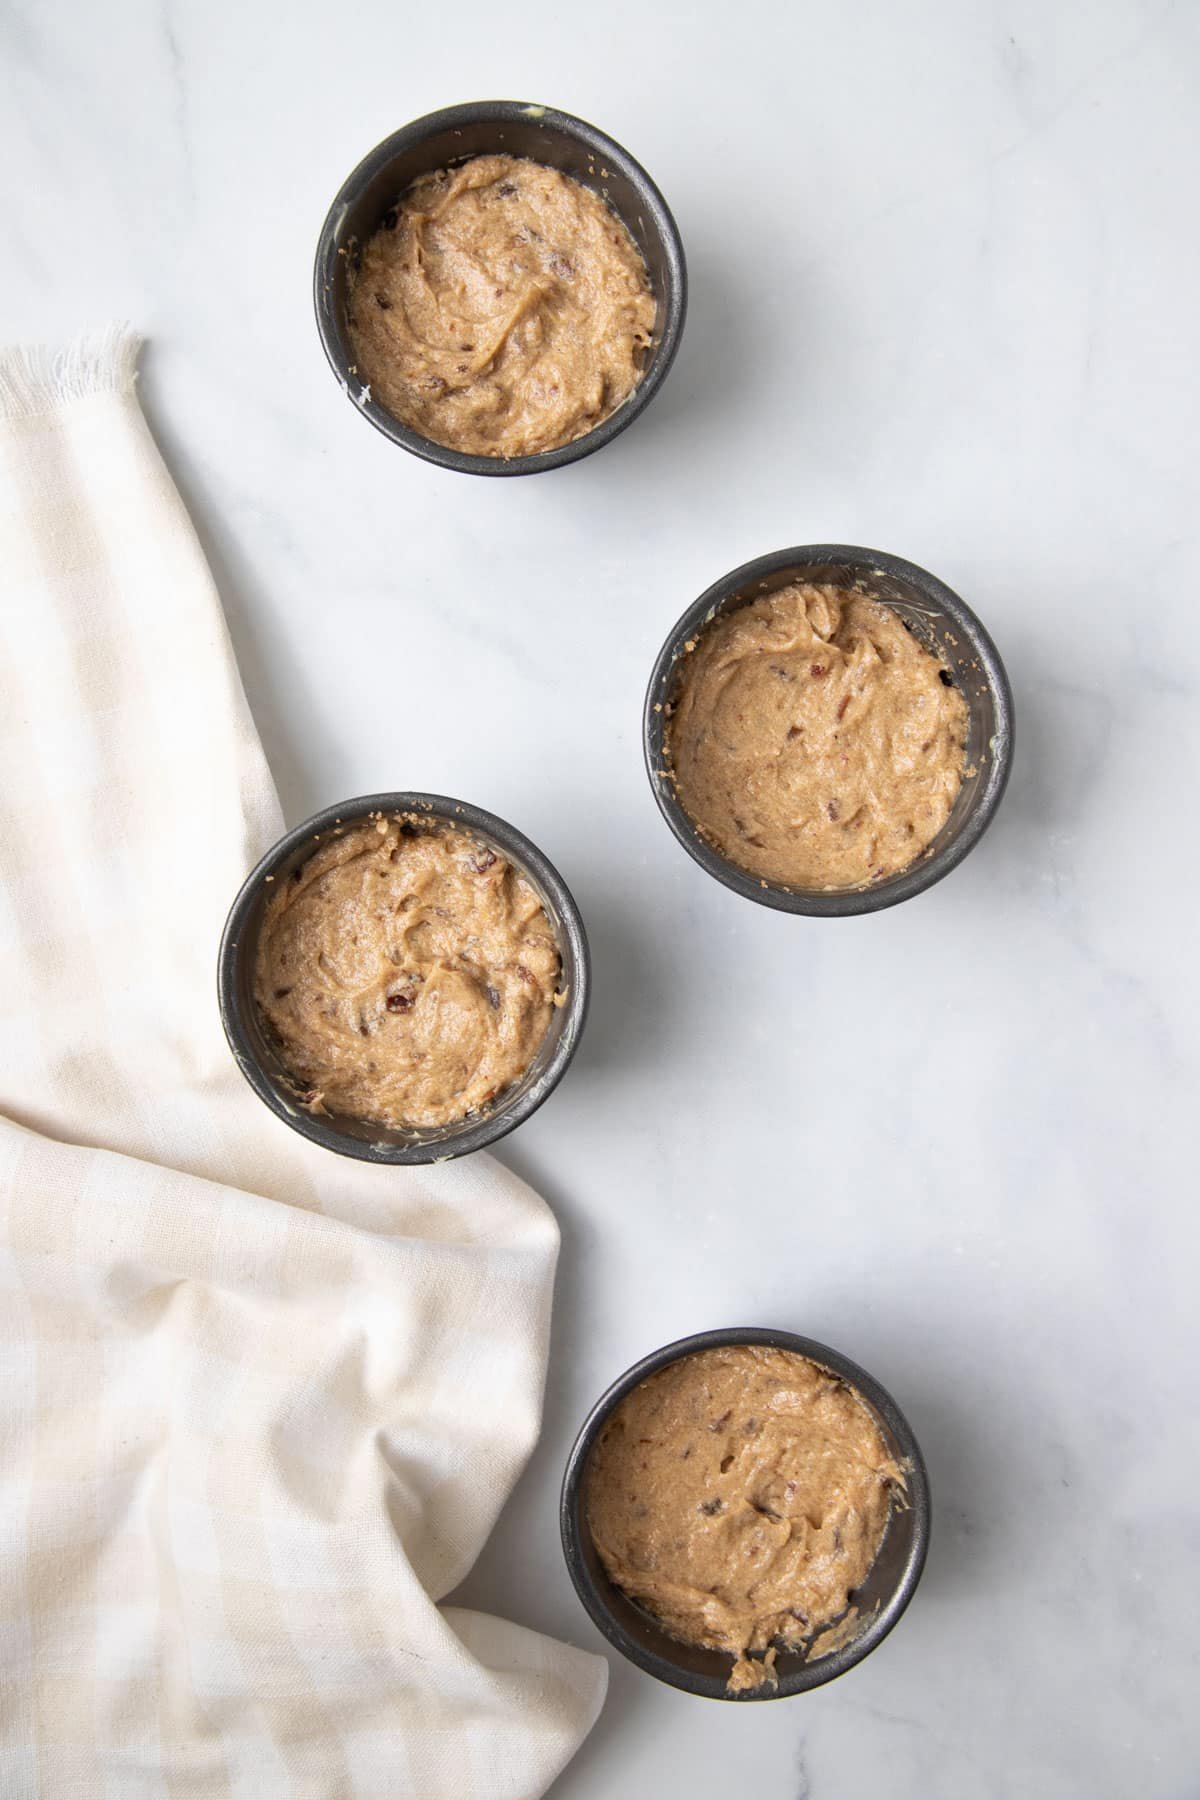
(259, 1405)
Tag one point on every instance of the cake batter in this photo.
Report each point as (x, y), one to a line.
(741, 1495)
(814, 740)
(502, 309)
(408, 973)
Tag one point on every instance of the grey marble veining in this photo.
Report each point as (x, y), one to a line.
(944, 301)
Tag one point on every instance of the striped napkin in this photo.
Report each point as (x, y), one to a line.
(259, 1405)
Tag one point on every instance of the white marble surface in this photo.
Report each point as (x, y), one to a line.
(944, 302)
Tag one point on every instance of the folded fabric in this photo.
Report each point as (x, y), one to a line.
(261, 1404)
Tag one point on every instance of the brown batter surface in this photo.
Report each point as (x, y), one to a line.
(502, 310)
(814, 740)
(408, 972)
(741, 1495)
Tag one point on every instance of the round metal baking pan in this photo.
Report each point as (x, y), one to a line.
(940, 620)
(514, 128)
(267, 1073)
(880, 1600)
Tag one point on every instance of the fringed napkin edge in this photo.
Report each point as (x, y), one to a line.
(41, 378)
